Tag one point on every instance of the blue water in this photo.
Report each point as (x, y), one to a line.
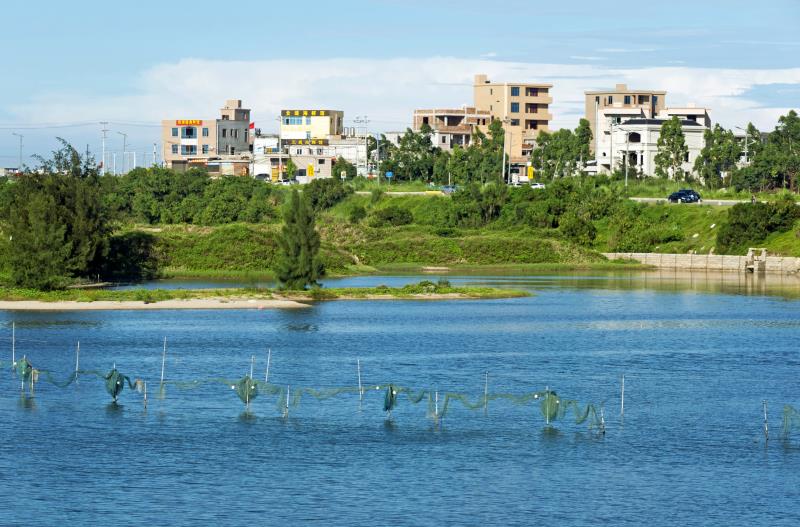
(698, 358)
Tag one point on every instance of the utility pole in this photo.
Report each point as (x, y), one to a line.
(124, 149)
(154, 154)
(105, 131)
(19, 165)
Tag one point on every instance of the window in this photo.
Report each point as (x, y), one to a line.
(224, 132)
(235, 133)
(205, 132)
(655, 101)
(308, 120)
(444, 139)
(245, 135)
(174, 149)
(299, 151)
(610, 99)
(174, 132)
(514, 107)
(643, 99)
(320, 161)
(627, 99)
(515, 91)
(531, 108)
(188, 150)
(514, 122)
(292, 120)
(308, 135)
(319, 151)
(188, 132)
(531, 92)
(490, 91)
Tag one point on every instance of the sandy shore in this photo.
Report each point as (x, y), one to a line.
(104, 305)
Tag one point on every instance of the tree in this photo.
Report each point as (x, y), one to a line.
(672, 150)
(298, 264)
(583, 141)
(58, 224)
(290, 169)
(343, 165)
(718, 157)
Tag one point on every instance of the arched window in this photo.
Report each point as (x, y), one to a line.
(634, 137)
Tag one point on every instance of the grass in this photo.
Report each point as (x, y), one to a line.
(661, 188)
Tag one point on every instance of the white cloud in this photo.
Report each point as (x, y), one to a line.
(389, 90)
(585, 57)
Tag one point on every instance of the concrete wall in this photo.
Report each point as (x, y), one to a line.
(716, 262)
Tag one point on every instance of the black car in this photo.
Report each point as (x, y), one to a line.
(685, 196)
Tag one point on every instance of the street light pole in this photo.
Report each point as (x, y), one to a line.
(103, 162)
(19, 165)
(506, 120)
(124, 149)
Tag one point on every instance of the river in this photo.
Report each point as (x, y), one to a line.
(699, 354)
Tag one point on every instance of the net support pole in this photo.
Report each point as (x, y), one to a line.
(360, 388)
(269, 357)
(766, 423)
(77, 359)
(145, 395)
(547, 405)
(163, 360)
(436, 404)
(286, 407)
(252, 364)
(622, 400)
(486, 393)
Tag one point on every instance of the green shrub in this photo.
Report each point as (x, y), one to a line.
(577, 229)
(325, 193)
(357, 213)
(749, 223)
(391, 216)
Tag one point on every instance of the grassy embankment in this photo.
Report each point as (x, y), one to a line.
(422, 290)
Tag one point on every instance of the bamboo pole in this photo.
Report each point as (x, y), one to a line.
(269, 356)
(163, 360)
(360, 388)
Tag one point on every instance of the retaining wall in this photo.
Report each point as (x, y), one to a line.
(714, 262)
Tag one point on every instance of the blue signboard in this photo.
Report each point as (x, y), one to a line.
(389, 175)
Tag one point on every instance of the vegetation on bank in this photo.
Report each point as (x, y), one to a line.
(422, 290)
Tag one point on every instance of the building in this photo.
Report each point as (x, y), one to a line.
(688, 113)
(351, 148)
(270, 161)
(193, 142)
(607, 120)
(634, 143)
(523, 108)
(649, 101)
(451, 127)
(304, 126)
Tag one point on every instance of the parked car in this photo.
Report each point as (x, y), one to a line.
(448, 189)
(539, 186)
(685, 195)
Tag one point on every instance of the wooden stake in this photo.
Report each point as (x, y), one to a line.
(286, 408)
(145, 394)
(622, 399)
(163, 360)
(269, 356)
(77, 359)
(766, 424)
(13, 344)
(436, 405)
(252, 363)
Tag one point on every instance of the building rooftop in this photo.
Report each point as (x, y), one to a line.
(659, 122)
(482, 79)
(623, 88)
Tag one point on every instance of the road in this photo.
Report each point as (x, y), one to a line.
(719, 202)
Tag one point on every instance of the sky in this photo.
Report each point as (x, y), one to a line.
(67, 66)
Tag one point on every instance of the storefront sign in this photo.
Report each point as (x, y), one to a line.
(188, 122)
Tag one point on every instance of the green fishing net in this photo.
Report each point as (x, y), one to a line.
(246, 389)
(791, 420)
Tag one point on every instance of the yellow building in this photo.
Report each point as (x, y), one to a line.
(524, 109)
(309, 127)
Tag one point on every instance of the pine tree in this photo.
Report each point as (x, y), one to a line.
(672, 150)
(298, 264)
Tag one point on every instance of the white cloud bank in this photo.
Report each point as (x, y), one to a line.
(388, 90)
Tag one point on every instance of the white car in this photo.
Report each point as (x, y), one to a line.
(537, 185)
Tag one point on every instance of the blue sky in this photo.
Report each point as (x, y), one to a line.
(82, 62)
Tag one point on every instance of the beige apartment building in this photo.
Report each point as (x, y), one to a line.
(451, 127)
(310, 127)
(194, 142)
(524, 109)
(651, 102)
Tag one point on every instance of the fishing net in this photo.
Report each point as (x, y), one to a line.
(246, 389)
(551, 406)
(791, 420)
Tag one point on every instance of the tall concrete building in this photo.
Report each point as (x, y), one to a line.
(193, 142)
(650, 102)
(524, 109)
(451, 127)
